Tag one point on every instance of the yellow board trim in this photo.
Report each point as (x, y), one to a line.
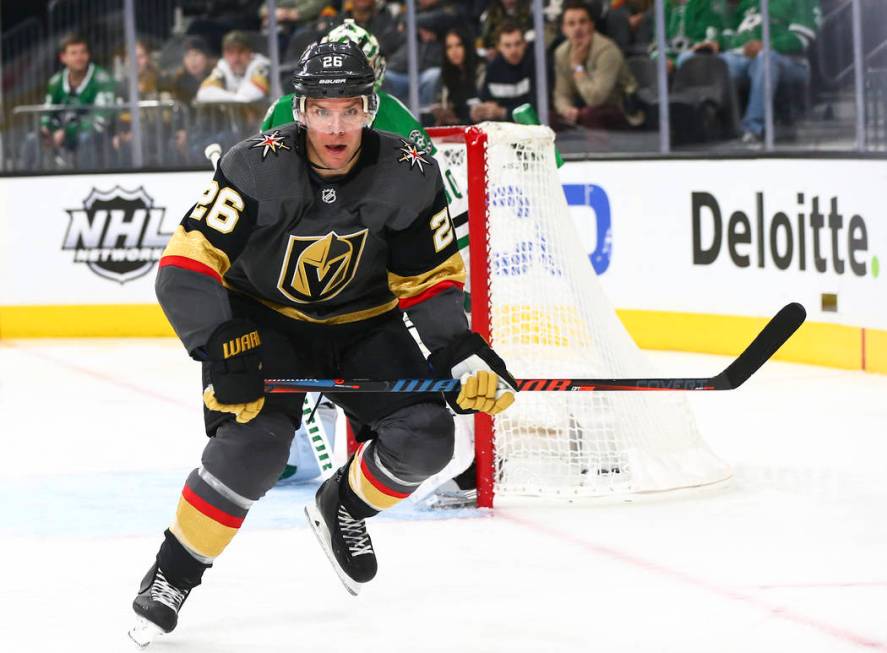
(817, 343)
(84, 321)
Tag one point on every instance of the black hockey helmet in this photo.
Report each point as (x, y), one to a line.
(334, 70)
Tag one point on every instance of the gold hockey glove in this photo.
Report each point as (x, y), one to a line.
(483, 391)
(233, 354)
(242, 412)
(487, 385)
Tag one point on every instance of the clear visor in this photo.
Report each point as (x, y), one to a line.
(335, 119)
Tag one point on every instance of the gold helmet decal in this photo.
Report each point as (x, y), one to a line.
(317, 268)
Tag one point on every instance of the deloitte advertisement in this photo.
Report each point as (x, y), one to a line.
(737, 237)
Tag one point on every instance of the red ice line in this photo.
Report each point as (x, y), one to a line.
(773, 609)
(107, 378)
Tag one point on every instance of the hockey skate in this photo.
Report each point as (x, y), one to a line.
(343, 538)
(449, 496)
(157, 605)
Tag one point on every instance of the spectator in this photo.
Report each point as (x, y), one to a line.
(592, 83)
(691, 27)
(792, 30)
(222, 16)
(629, 23)
(239, 78)
(439, 15)
(461, 73)
(430, 53)
(510, 79)
(241, 75)
(433, 18)
(183, 85)
(291, 16)
(197, 63)
(377, 19)
(148, 89)
(516, 11)
(77, 134)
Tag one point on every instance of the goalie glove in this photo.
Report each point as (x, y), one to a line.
(487, 386)
(234, 356)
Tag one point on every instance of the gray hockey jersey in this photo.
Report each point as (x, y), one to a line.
(323, 251)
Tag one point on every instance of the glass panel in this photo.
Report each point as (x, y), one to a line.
(814, 109)
(715, 89)
(601, 106)
(215, 78)
(69, 68)
(874, 31)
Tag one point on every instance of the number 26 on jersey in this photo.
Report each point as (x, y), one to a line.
(226, 207)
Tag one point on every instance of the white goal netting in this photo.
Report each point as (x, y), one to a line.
(549, 317)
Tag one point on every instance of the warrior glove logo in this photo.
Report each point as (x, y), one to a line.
(118, 233)
(317, 268)
(244, 343)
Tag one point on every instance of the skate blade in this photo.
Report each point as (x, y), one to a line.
(323, 537)
(144, 632)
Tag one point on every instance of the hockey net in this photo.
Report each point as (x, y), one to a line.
(536, 297)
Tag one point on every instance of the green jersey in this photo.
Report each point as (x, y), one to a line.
(691, 22)
(792, 25)
(96, 90)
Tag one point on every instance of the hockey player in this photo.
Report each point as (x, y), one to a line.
(392, 116)
(295, 261)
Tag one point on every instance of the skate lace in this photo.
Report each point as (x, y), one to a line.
(166, 593)
(354, 533)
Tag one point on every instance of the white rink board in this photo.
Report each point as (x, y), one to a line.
(646, 256)
(39, 214)
(651, 256)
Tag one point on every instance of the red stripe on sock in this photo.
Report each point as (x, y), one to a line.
(210, 510)
(378, 484)
(190, 264)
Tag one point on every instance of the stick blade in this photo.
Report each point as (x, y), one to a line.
(768, 341)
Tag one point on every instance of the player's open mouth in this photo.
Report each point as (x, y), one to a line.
(336, 149)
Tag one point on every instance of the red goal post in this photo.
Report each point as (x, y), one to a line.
(475, 140)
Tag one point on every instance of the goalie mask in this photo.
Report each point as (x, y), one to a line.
(332, 71)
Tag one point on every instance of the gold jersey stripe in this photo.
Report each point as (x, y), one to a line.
(344, 318)
(203, 535)
(195, 246)
(453, 269)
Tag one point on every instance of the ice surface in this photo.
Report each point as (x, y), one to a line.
(98, 437)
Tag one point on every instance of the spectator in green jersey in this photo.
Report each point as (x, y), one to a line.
(792, 30)
(73, 136)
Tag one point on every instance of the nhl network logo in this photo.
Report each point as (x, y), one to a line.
(117, 233)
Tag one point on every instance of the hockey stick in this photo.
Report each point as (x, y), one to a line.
(213, 152)
(777, 331)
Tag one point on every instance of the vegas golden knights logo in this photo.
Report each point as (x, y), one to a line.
(317, 268)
